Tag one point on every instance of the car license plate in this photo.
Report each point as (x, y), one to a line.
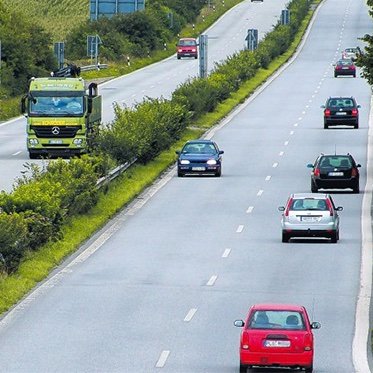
(345, 68)
(340, 113)
(198, 168)
(309, 218)
(274, 343)
(335, 173)
(55, 141)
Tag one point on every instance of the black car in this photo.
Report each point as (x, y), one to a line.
(199, 157)
(345, 67)
(334, 172)
(341, 111)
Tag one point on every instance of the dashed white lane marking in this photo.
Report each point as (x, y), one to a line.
(239, 229)
(295, 124)
(307, 106)
(212, 280)
(250, 209)
(162, 359)
(260, 192)
(300, 118)
(152, 86)
(143, 91)
(134, 95)
(226, 253)
(281, 154)
(291, 133)
(313, 96)
(16, 153)
(286, 143)
(190, 314)
(275, 165)
(268, 178)
(303, 112)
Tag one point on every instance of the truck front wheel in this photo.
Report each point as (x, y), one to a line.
(33, 155)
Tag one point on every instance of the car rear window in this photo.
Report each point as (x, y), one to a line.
(308, 204)
(335, 161)
(341, 102)
(345, 62)
(288, 320)
(187, 43)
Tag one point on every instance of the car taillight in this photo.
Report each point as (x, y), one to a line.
(338, 67)
(354, 172)
(354, 112)
(330, 207)
(245, 341)
(327, 112)
(288, 207)
(353, 67)
(316, 172)
(308, 344)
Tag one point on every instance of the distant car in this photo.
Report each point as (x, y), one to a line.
(335, 172)
(199, 157)
(345, 67)
(277, 335)
(187, 47)
(310, 215)
(341, 111)
(351, 53)
(256, 1)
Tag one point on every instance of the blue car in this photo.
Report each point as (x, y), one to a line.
(199, 157)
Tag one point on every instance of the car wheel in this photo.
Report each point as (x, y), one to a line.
(333, 237)
(33, 155)
(178, 57)
(356, 125)
(338, 235)
(356, 188)
(314, 188)
(309, 369)
(195, 57)
(285, 237)
(335, 75)
(218, 173)
(243, 368)
(326, 126)
(180, 174)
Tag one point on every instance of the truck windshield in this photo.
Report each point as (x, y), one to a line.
(56, 106)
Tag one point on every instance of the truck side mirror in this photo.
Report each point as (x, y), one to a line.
(89, 105)
(23, 105)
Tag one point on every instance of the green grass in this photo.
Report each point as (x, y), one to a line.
(121, 191)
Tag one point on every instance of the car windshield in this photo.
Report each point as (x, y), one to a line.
(187, 43)
(335, 162)
(288, 320)
(199, 148)
(341, 102)
(308, 204)
(53, 105)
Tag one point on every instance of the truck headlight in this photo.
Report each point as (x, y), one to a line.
(33, 141)
(78, 141)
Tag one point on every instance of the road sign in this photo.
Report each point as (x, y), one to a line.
(108, 8)
(59, 52)
(285, 17)
(252, 39)
(93, 41)
(203, 42)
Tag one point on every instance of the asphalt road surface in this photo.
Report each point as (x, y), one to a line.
(225, 37)
(158, 289)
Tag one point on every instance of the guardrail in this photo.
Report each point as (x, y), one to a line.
(94, 67)
(105, 180)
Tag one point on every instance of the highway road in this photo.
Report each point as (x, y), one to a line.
(161, 79)
(159, 288)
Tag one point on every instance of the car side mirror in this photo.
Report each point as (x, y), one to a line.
(177, 151)
(221, 151)
(239, 323)
(281, 208)
(339, 208)
(358, 106)
(310, 165)
(358, 165)
(315, 325)
(322, 106)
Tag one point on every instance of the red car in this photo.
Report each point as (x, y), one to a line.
(187, 47)
(277, 335)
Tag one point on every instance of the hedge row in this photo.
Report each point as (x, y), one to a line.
(151, 126)
(35, 211)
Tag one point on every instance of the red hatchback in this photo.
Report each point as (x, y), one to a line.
(187, 47)
(277, 335)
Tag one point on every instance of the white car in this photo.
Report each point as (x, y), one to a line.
(351, 53)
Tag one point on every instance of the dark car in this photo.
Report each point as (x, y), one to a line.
(187, 47)
(335, 172)
(201, 157)
(341, 111)
(345, 67)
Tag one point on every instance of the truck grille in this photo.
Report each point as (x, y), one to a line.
(56, 131)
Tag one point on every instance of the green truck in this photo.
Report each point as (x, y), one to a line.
(63, 117)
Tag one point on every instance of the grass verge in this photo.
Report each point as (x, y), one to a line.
(37, 265)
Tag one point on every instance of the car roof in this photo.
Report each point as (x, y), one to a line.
(339, 97)
(277, 306)
(202, 141)
(187, 39)
(336, 155)
(309, 195)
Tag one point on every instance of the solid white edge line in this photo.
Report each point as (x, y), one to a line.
(162, 359)
(190, 314)
(360, 341)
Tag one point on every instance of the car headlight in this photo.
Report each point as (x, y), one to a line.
(78, 141)
(184, 161)
(33, 141)
(211, 161)
(180, 50)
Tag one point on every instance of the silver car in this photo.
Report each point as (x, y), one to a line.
(351, 53)
(310, 215)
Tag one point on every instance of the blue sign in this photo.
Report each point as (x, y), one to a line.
(108, 8)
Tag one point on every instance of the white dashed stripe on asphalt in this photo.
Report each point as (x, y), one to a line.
(212, 280)
(190, 314)
(162, 359)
